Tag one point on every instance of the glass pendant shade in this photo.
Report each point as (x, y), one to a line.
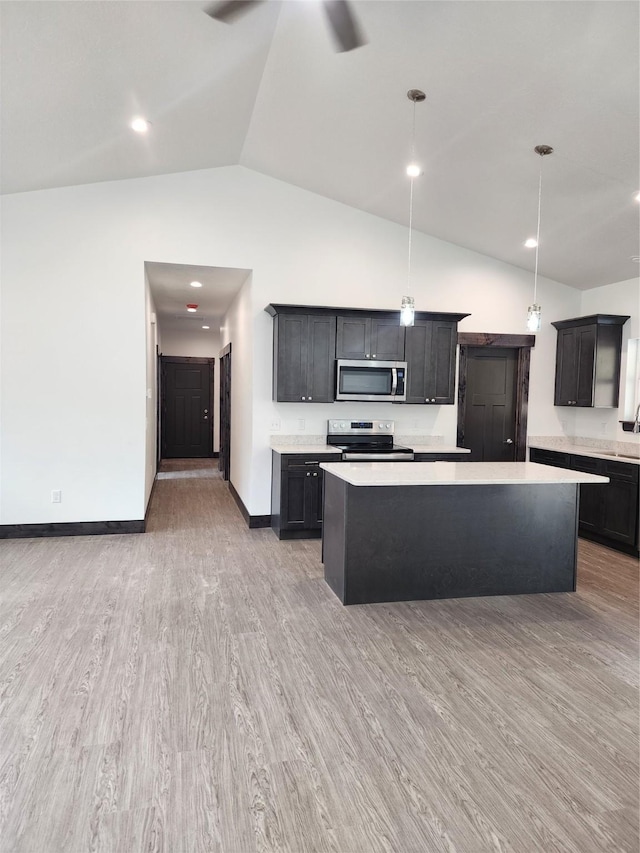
(534, 318)
(407, 311)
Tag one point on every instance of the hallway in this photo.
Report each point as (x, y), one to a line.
(199, 688)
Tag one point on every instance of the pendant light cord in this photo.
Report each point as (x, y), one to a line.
(412, 160)
(535, 274)
(410, 227)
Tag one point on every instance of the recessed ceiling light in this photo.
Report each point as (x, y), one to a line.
(206, 327)
(196, 284)
(531, 243)
(413, 170)
(139, 124)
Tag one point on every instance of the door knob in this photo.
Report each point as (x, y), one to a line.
(206, 417)
(509, 441)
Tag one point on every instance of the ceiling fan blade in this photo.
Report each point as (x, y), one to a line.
(344, 25)
(227, 10)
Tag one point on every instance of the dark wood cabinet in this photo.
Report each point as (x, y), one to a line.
(588, 361)
(431, 362)
(304, 358)
(296, 494)
(441, 457)
(380, 338)
(608, 512)
(308, 340)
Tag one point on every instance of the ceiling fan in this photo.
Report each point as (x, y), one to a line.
(342, 21)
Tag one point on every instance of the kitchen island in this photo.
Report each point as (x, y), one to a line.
(400, 531)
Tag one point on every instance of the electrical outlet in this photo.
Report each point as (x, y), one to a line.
(275, 424)
(56, 496)
(300, 423)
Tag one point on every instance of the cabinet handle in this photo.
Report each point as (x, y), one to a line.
(311, 398)
(433, 399)
(304, 398)
(315, 474)
(314, 462)
(367, 355)
(308, 473)
(374, 355)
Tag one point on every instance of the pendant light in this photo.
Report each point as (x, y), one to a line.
(408, 306)
(534, 313)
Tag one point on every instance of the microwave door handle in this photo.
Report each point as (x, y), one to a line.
(394, 381)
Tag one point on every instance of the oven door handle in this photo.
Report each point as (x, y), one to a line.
(394, 380)
(377, 457)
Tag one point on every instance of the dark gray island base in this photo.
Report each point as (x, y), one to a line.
(412, 542)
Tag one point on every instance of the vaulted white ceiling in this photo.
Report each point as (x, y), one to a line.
(270, 92)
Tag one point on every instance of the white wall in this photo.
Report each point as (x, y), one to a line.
(74, 317)
(151, 414)
(201, 344)
(236, 330)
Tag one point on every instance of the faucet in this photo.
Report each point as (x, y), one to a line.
(636, 423)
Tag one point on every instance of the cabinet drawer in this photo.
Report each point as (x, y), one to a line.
(308, 462)
(549, 457)
(441, 457)
(588, 464)
(621, 470)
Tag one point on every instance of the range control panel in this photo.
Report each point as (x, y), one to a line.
(347, 427)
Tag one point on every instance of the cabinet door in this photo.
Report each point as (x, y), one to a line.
(305, 358)
(292, 498)
(387, 339)
(291, 358)
(431, 362)
(418, 349)
(620, 511)
(442, 367)
(321, 351)
(591, 496)
(353, 337)
(585, 365)
(590, 512)
(566, 368)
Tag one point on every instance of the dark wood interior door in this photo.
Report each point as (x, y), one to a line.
(224, 462)
(489, 417)
(186, 411)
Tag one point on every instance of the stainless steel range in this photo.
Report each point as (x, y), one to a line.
(366, 441)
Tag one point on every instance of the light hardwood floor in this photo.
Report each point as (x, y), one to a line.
(200, 688)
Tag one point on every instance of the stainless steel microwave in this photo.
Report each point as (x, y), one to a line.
(371, 380)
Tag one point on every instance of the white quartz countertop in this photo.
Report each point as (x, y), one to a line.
(318, 449)
(326, 448)
(454, 473)
(584, 450)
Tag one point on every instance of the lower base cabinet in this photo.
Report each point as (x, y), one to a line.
(608, 513)
(297, 494)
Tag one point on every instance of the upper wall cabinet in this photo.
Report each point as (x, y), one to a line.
(381, 338)
(304, 347)
(431, 361)
(307, 340)
(588, 360)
